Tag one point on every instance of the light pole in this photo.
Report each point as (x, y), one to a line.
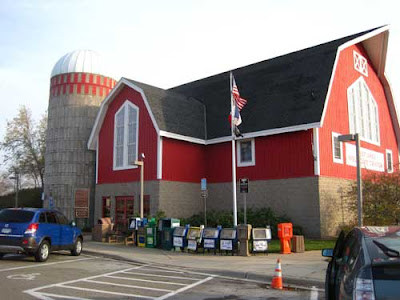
(355, 138)
(16, 178)
(141, 164)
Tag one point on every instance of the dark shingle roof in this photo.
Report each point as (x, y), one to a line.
(173, 112)
(285, 91)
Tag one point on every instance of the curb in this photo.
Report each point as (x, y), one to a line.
(289, 282)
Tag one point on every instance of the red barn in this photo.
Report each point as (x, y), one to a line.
(297, 106)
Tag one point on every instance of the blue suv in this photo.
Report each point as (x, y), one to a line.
(36, 232)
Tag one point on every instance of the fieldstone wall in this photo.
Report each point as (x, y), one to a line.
(335, 212)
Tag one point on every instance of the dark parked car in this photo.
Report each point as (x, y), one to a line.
(36, 232)
(365, 264)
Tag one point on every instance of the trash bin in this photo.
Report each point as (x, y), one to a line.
(166, 227)
(100, 230)
(285, 233)
(298, 244)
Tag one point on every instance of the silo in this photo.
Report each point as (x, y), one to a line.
(77, 88)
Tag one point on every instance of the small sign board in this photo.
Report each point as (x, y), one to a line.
(226, 245)
(260, 245)
(82, 203)
(192, 245)
(209, 243)
(204, 193)
(177, 241)
(204, 184)
(244, 185)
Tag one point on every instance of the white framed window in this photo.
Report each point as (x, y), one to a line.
(126, 127)
(363, 112)
(389, 161)
(337, 149)
(246, 153)
(360, 63)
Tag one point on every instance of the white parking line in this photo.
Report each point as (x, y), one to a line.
(185, 288)
(40, 292)
(33, 291)
(60, 296)
(127, 285)
(46, 264)
(164, 276)
(144, 280)
(105, 292)
(159, 269)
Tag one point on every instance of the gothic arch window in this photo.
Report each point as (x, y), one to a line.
(126, 122)
(363, 112)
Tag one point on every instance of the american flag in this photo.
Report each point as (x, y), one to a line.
(240, 102)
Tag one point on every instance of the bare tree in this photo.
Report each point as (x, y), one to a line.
(24, 145)
(6, 185)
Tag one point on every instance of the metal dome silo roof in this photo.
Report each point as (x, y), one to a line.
(86, 61)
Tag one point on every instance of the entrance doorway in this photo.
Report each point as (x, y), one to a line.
(123, 211)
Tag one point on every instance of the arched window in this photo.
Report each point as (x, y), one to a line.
(363, 112)
(126, 136)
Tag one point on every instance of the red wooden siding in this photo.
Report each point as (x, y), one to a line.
(337, 118)
(183, 161)
(147, 142)
(278, 156)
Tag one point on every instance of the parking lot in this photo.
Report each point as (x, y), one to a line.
(91, 277)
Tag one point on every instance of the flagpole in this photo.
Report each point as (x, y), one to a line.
(233, 159)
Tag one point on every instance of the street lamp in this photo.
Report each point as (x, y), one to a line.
(355, 138)
(16, 178)
(141, 164)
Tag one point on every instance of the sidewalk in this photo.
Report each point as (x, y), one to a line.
(298, 269)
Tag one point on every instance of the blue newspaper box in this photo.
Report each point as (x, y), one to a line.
(179, 237)
(141, 232)
(211, 238)
(228, 240)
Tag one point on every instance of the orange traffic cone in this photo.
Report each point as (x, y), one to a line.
(277, 279)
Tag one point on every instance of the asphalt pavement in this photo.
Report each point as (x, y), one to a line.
(299, 270)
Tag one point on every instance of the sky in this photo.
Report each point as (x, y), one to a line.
(168, 43)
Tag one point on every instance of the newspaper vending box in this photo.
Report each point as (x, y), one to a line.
(261, 237)
(179, 237)
(228, 240)
(166, 227)
(211, 238)
(193, 237)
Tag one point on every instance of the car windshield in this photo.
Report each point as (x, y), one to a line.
(383, 248)
(15, 216)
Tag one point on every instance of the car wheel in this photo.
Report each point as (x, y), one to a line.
(77, 247)
(42, 254)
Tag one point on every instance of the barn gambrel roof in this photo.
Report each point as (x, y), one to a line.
(286, 93)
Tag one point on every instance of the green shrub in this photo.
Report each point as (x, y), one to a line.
(260, 217)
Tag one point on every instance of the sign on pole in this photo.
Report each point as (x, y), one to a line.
(244, 185)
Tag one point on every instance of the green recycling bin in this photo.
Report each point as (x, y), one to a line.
(151, 234)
